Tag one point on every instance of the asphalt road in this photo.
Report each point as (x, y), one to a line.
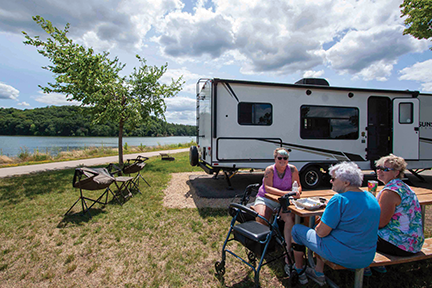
(21, 170)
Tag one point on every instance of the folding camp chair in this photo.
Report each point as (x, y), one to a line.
(135, 166)
(91, 179)
(125, 182)
(259, 239)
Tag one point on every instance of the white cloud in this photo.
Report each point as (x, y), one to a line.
(372, 53)
(24, 104)
(419, 72)
(190, 79)
(313, 74)
(54, 99)
(181, 110)
(8, 92)
(192, 36)
(379, 71)
(115, 23)
(363, 37)
(180, 104)
(91, 39)
(185, 118)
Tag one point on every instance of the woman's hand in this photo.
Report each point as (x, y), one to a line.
(297, 196)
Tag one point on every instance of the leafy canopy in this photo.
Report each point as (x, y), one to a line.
(419, 18)
(95, 80)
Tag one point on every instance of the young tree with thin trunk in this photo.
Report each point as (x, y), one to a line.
(95, 80)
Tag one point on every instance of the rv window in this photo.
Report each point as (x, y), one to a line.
(254, 113)
(405, 113)
(325, 122)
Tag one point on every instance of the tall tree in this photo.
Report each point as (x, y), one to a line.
(419, 18)
(94, 80)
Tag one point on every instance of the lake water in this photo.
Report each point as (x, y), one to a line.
(13, 145)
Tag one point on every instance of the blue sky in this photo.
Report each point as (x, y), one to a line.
(350, 43)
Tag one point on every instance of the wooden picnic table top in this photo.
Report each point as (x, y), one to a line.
(424, 196)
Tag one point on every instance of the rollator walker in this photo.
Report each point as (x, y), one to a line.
(259, 239)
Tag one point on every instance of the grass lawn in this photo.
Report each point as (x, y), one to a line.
(139, 244)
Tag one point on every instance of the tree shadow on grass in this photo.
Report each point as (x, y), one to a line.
(14, 190)
(246, 282)
(78, 218)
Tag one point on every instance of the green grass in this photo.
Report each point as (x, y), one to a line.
(139, 244)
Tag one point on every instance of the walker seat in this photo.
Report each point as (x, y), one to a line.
(253, 235)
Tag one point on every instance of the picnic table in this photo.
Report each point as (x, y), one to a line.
(166, 156)
(424, 196)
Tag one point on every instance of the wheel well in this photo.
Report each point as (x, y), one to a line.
(313, 174)
(319, 166)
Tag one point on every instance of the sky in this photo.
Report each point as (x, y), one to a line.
(352, 43)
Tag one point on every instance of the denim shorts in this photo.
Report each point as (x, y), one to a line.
(267, 202)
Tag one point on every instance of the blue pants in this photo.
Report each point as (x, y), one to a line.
(307, 236)
(330, 249)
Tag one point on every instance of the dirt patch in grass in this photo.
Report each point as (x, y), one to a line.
(181, 194)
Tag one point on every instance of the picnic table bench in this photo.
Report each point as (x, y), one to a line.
(166, 156)
(382, 259)
(425, 198)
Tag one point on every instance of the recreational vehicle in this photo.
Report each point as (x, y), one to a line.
(240, 123)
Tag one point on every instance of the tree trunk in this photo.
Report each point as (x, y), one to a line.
(120, 144)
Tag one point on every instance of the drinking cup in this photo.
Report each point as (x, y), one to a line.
(372, 186)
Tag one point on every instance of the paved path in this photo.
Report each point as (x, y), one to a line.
(20, 170)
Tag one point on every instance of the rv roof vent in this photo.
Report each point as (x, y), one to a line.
(313, 81)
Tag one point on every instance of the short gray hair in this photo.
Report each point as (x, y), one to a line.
(348, 171)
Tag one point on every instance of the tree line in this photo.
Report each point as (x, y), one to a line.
(76, 121)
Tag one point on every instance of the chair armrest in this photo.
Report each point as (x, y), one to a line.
(114, 169)
(142, 158)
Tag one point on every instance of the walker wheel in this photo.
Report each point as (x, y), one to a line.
(252, 258)
(220, 268)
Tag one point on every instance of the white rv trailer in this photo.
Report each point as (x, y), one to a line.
(240, 123)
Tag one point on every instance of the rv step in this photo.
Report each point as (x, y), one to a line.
(208, 169)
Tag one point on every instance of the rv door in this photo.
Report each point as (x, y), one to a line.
(406, 128)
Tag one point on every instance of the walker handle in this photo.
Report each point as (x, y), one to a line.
(245, 209)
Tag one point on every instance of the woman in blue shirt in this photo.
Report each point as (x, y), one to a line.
(347, 232)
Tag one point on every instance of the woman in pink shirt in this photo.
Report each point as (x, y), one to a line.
(278, 180)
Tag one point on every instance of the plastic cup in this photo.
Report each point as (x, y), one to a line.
(372, 186)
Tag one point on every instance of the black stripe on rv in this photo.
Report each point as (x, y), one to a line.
(351, 157)
(425, 139)
(230, 91)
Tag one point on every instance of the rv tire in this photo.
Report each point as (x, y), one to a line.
(311, 177)
(193, 156)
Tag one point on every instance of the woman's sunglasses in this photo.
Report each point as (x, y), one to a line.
(385, 169)
(284, 158)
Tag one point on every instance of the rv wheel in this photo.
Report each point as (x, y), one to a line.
(193, 156)
(311, 177)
